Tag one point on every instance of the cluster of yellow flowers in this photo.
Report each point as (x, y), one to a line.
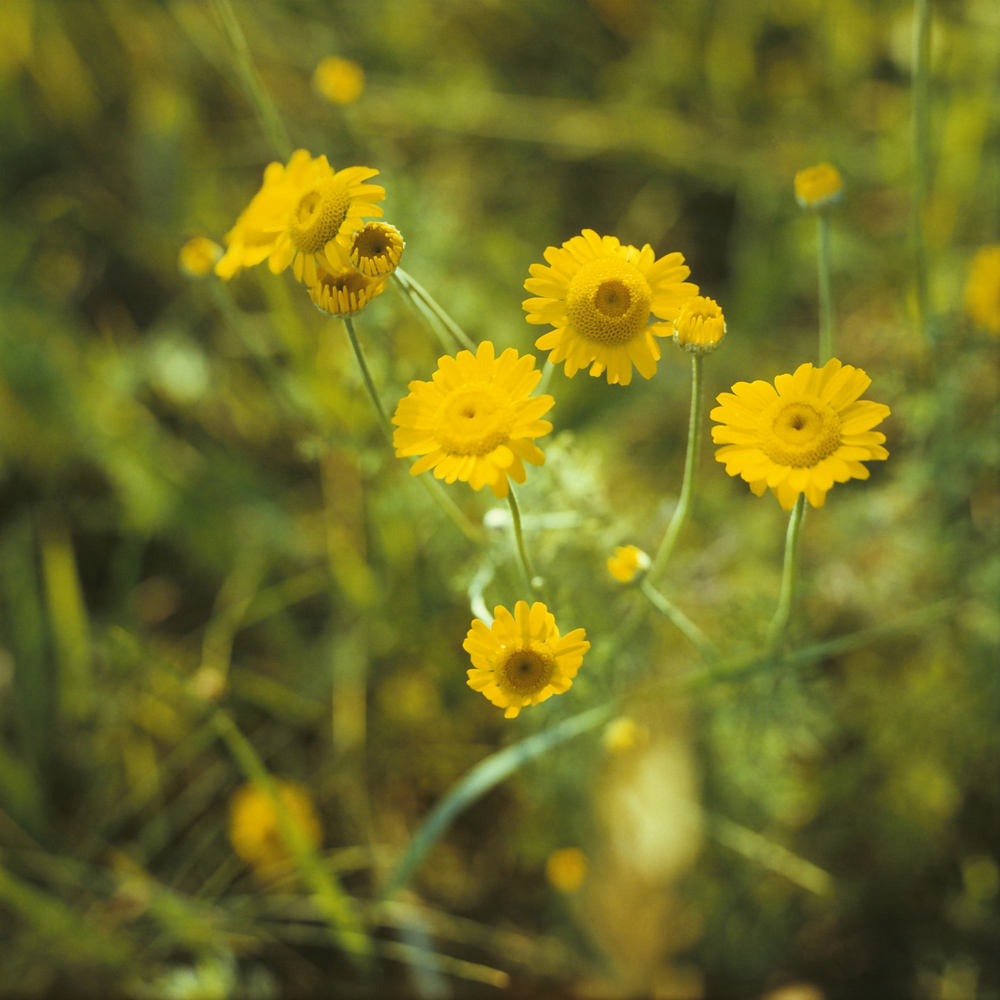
(608, 306)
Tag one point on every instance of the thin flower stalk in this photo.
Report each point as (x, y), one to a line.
(684, 504)
(367, 376)
(427, 304)
(530, 577)
(698, 639)
(786, 596)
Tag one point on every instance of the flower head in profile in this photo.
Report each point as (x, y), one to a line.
(343, 292)
(255, 831)
(340, 81)
(700, 327)
(198, 256)
(376, 249)
(599, 296)
(475, 421)
(521, 659)
(801, 435)
(818, 186)
(628, 562)
(982, 290)
(304, 216)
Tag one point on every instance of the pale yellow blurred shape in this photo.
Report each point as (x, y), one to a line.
(16, 17)
(566, 868)
(796, 991)
(624, 733)
(340, 81)
(254, 830)
(198, 256)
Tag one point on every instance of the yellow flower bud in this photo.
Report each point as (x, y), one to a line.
(255, 832)
(340, 81)
(819, 186)
(198, 256)
(700, 327)
(627, 563)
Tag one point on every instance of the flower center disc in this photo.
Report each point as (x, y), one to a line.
(319, 215)
(527, 670)
(473, 420)
(608, 300)
(799, 431)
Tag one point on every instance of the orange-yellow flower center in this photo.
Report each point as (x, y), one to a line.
(376, 249)
(799, 431)
(319, 215)
(526, 669)
(473, 420)
(608, 301)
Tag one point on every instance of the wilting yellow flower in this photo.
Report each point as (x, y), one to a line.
(700, 327)
(982, 291)
(198, 256)
(340, 81)
(305, 215)
(599, 296)
(566, 869)
(819, 186)
(521, 659)
(802, 434)
(627, 563)
(343, 292)
(475, 421)
(376, 249)
(253, 823)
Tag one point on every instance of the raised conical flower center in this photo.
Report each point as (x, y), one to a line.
(608, 301)
(799, 431)
(527, 669)
(319, 215)
(473, 420)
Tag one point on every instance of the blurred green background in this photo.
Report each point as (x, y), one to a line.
(198, 513)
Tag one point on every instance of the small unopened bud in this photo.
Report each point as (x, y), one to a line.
(628, 563)
(819, 186)
(700, 327)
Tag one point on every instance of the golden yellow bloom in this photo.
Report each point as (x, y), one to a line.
(819, 186)
(343, 292)
(475, 421)
(599, 296)
(521, 659)
(982, 292)
(198, 256)
(627, 563)
(304, 215)
(566, 869)
(340, 81)
(700, 327)
(253, 823)
(376, 249)
(802, 434)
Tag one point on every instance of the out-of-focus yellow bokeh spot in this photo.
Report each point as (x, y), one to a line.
(198, 256)
(340, 81)
(566, 868)
(818, 186)
(622, 734)
(255, 832)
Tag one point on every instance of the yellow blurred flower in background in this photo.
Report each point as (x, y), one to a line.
(802, 434)
(700, 327)
(982, 290)
(255, 832)
(340, 81)
(818, 186)
(376, 249)
(475, 421)
(521, 659)
(566, 868)
(627, 563)
(198, 256)
(599, 296)
(343, 292)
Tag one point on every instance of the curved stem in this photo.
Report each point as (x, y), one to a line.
(522, 550)
(776, 630)
(698, 639)
(825, 293)
(683, 508)
(367, 376)
(420, 295)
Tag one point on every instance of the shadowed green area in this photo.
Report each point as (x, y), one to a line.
(213, 569)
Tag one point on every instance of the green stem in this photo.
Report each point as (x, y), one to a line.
(367, 376)
(420, 294)
(825, 293)
(698, 639)
(921, 158)
(267, 114)
(522, 550)
(683, 508)
(776, 630)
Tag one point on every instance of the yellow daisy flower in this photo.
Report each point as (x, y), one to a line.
(599, 296)
(340, 81)
(628, 562)
(982, 291)
(376, 249)
(475, 421)
(700, 327)
(818, 186)
(253, 823)
(521, 659)
(343, 292)
(802, 434)
(305, 215)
